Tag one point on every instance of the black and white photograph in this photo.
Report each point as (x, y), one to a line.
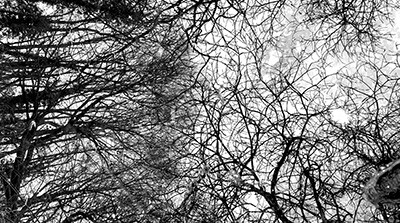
(199, 111)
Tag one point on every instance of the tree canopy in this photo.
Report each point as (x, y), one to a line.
(198, 111)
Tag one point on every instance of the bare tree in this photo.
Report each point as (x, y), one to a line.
(96, 97)
(277, 73)
(195, 111)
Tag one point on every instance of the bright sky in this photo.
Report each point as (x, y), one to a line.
(340, 116)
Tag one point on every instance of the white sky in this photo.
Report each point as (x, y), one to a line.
(340, 115)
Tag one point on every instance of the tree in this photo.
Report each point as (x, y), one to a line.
(277, 72)
(108, 118)
(97, 96)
